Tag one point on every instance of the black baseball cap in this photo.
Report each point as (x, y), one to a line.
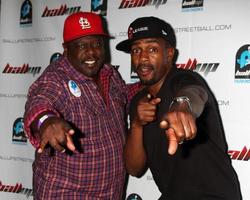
(146, 27)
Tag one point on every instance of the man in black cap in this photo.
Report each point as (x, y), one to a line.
(176, 129)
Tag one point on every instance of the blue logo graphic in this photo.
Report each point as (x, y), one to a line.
(96, 3)
(99, 7)
(242, 64)
(18, 131)
(244, 58)
(26, 13)
(73, 85)
(134, 196)
(55, 57)
(26, 10)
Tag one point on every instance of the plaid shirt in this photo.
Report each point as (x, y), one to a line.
(97, 171)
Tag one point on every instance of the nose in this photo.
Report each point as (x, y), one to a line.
(90, 50)
(144, 56)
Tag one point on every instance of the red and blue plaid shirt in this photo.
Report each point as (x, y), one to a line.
(97, 171)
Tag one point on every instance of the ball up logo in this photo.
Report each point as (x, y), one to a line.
(63, 10)
(204, 68)
(201, 68)
(134, 197)
(18, 188)
(243, 155)
(242, 63)
(18, 134)
(99, 7)
(26, 13)
(24, 69)
(141, 3)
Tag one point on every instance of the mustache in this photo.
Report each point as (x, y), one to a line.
(143, 66)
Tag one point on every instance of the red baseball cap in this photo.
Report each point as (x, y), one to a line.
(82, 24)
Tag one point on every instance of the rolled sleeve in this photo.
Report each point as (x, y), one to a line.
(42, 97)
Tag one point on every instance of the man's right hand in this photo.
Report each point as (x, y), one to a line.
(146, 110)
(179, 124)
(57, 133)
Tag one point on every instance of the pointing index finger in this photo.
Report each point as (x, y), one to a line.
(173, 143)
(42, 146)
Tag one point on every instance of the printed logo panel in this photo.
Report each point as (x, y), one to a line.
(55, 57)
(141, 3)
(242, 63)
(192, 5)
(62, 10)
(18, 134)
(26, 14)
(99, 7)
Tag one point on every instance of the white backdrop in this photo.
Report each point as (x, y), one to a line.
(212, 39)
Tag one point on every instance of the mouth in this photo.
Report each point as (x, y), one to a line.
(90, 62)
(144, 71)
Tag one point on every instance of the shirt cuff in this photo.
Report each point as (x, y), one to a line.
(29, 117)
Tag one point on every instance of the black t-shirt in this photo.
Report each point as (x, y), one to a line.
(201, 168)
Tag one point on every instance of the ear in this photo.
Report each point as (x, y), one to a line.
(65, 50)
(170, 53)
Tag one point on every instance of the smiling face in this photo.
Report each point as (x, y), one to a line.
(86, 54)
(151, 59)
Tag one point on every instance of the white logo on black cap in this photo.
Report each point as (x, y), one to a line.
(164, 32)
(84, 23)
(140, 29)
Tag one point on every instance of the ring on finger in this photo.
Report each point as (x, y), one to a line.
(62, 151)
(181, 142)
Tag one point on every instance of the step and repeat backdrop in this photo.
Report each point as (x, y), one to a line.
(212, 39)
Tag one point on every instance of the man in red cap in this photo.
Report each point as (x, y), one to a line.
(75, 117)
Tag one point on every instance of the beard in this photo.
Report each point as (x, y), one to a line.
(148, 82)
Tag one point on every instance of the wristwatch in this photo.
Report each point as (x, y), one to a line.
(181, 99)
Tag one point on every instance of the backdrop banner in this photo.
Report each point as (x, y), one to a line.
(212, 39)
